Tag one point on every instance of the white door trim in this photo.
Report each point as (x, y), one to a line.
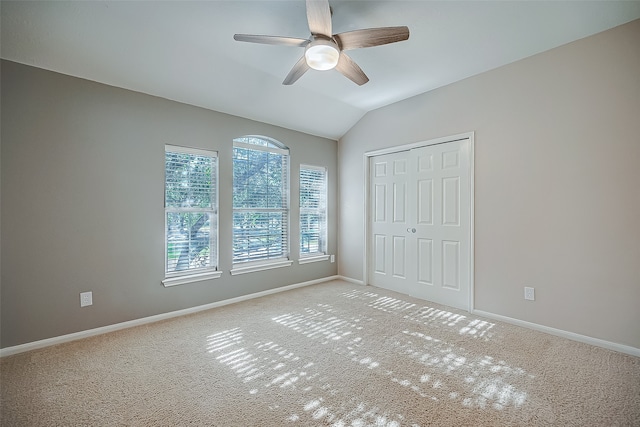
(367, 155)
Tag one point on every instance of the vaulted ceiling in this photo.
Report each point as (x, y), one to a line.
(185, 51)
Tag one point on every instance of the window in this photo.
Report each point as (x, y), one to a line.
(313, 211)
(260, 204)
(191, 217)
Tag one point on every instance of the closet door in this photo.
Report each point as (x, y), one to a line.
(419, 220)
(391, 261)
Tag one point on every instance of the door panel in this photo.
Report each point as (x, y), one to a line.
(399, 257)
(451, 264)
(425, 202)
(451, 201)
(422, 248)
(379, 247)
(450, 159)
(400, 167)
(399, 202)
(425, 261)
(425, 161)
(380, 203)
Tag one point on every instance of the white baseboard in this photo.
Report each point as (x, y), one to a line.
(632, 351)
(350, 280)
(626, 349)
(151, 319)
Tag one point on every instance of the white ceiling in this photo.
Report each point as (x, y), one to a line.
(185, 51)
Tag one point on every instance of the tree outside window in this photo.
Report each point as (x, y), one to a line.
(260, 200)
(191, 210)
(313, 211)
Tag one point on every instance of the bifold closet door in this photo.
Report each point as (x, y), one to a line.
(419, 222)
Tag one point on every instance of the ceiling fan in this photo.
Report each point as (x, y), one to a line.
(325, 50)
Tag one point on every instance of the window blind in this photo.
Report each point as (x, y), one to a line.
(260, 203)
(191, 225)
(313, 210)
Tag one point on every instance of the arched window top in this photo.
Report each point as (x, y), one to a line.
(263, 141)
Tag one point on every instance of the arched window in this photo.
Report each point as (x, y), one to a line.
(260, 203)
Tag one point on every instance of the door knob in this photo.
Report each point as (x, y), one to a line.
(411, 230)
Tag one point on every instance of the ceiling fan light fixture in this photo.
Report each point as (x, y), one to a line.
(322, 54)
(324, 50)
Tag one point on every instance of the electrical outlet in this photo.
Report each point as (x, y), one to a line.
(86, 298)
(529, 294)
(333, 258)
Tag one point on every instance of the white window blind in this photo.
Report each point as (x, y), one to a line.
(260, 201)
(191, 217)
(313, 211)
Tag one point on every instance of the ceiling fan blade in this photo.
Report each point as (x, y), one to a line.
(351, 70)
(371, 37)
(296, 72)
(319, 17)
(284, 41)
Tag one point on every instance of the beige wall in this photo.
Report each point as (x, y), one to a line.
(82, 178)
(557, 182)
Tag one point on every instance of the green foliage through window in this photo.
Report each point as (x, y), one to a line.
(260, 200)
(190, 208)
(313, 210)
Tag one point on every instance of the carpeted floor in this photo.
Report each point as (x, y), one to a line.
(334, 354)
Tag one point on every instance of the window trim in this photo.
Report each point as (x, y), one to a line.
(313, 258)
(191, 278)
(246, 145)
(253, 266)
(195, 275)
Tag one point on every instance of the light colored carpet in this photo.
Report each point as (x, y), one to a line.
(334, 354)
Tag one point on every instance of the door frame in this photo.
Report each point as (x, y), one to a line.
(367, 200)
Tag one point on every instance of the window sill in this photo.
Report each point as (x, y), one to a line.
(260, 267)
(315, 258)
(182, 280)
